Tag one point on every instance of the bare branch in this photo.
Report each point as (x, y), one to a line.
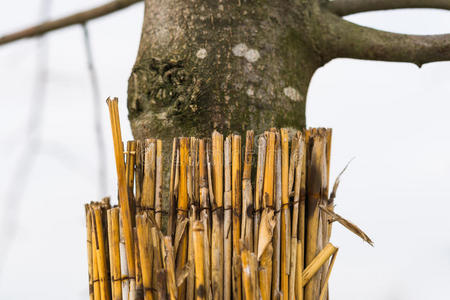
(348, 7)
(346, 39)
(77, 18)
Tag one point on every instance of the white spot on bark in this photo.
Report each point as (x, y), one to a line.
(252, 55)
(292, 94)
(250, 92)
(201, 53)
(240, 49)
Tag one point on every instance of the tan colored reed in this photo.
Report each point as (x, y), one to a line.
(227, 237)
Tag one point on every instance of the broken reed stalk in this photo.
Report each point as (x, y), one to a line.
(221, 241)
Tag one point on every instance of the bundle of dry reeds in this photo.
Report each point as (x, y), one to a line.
(235, 229)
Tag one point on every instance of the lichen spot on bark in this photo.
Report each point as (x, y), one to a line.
(240, 49)
(252, 55)
(292, 94)
(201, 53)
(250, 92)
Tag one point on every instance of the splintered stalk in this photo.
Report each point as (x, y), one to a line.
(169, 266)
(148, 184)
(227, 221)
(145, 253)
(247, 198)
(313, 221)
(295, 213)
(172, 192)
(259, 189)
(249, 267)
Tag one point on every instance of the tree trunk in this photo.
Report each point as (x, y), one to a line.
(225, 65)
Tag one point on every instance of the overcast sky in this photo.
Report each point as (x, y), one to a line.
(393, 117)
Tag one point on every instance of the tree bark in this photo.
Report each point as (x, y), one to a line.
(225, 65)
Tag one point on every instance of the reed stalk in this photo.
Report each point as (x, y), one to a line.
(123, 265)
(159, 183)
(285, 215)
(130, 165)
(87, 211)
(228, 243)
(296, 213)
(217, 222)
(145, 253)
(101, 251)
(139, 295)
(237, 209)
(276, 240)
(123, 191)
(259, 184)
(247, 197)
(173, 192)
(315, 188)
(182, 251)
(318, 261)
(204, 215)
(114, 254)
(198, 239)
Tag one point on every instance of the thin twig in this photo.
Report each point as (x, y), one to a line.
(77, 18)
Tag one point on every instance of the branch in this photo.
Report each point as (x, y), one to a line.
(77, 18)
(348, 7)
(346, 39)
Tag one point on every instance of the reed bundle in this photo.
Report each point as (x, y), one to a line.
(235, 229)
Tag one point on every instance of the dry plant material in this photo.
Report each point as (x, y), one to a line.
(228, 243)
(123, 190)
(182, 212)
(347, 224)
(198, 239)
(217, 216)
(223, 240)
(236, 204)
(285, 214)
(114, 252)
(318, 262)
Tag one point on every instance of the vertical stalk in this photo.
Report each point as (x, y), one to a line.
(285, 215)
(217, 232)
(236, 204)
(183, 211)
(228, 244)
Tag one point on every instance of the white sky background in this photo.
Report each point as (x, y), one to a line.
(393, 117)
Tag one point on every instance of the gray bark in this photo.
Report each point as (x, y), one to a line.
(225, 65)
